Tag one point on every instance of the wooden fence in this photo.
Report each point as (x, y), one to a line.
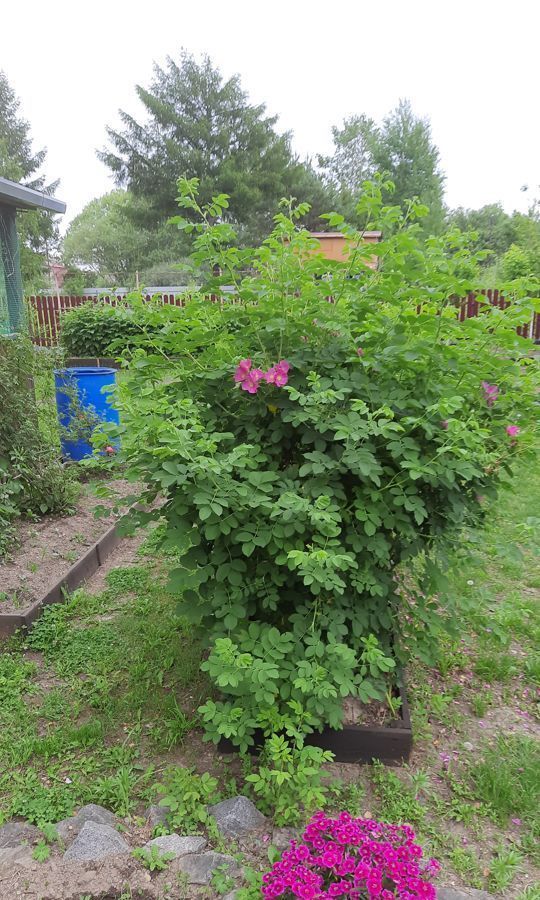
(45, 312)
(471, 306)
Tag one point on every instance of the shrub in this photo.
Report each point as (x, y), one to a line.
(516, 263)
(32, 479)
(317, 458)
(90, 329)
(346, 857)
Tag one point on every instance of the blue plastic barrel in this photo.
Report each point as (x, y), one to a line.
(82, 405)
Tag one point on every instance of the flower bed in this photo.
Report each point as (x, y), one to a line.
(355, 858)
(55, 555)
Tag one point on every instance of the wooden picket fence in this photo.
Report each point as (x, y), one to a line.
(471, 306)
(44, 313)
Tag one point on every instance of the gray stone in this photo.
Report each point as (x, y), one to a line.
(450, 893)
(96, 841)
(199, 867)
(20, 856)
(69, 828)
(232, 895)
(177, 844)
(237, 817)
(282, 837)
(157, 815)
(13, 834)
(468, 746)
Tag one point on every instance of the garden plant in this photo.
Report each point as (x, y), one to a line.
(348, 857)
(32, 479)
(321, 437)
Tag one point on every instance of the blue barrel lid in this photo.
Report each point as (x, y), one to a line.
(85, 370)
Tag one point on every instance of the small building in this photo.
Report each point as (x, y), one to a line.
(334, 245)
(14, 196)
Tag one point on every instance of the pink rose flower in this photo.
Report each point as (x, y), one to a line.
(278, 374)
(491, 392)
(252, 380)
(242, 370)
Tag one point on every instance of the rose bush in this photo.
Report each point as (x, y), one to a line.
(318, 458)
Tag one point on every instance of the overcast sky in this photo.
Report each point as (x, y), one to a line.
(470, 65)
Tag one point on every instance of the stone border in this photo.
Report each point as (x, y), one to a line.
(79, 572)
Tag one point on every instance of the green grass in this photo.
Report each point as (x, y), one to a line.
(106, 709)
(119, 688)
(479, 809)
(507, 780)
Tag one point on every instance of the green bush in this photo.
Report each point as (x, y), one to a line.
(312, 508)
(32, 478)
(90, 329)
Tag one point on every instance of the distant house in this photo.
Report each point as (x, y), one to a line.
(57, 274)
(336, 246)
(14, 196)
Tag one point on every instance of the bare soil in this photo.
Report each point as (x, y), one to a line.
(375, 713)
(109, 879)
(47, 548)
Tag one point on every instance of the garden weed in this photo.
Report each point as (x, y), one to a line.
(465, 863)
(481, 703)
(222, 882)
(397, 802)
(41, 852)
(187, 796)
(491, 666)
(531, 892)
(503, 868)
(153, 860)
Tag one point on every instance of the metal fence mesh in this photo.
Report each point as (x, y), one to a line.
(11, 293)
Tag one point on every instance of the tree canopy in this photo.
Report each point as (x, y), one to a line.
(105, 240)
(200, 125)
(19, 162)
(401, 146)
(495, 228)
(512, 241)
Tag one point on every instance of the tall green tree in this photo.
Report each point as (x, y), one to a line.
(200, 125)
(38, 230)
(496, 229)
(402, 146)
(106, 240)
(352, 160)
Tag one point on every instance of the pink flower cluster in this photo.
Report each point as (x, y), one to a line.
(491, 392)
(250, 379)
(513, 430)
(355, 858)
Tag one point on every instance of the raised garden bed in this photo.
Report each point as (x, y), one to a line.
(390, 743)
(55, 556)
(99, 361)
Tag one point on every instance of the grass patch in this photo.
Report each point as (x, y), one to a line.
(507, 780)
(112, 689)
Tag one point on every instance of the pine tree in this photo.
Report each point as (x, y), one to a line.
(199, 125)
